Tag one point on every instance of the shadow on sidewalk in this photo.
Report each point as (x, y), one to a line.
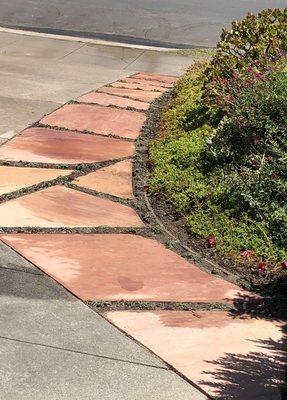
(254, 375)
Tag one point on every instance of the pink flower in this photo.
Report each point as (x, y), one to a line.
(262, 266)
(246, 253)
(256, 142)
(284, 264)
(223, 81)
(211, 241)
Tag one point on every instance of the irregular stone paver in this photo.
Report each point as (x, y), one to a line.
(149, 82)
(142, 95)
(63, 147)
(59, 206)
(15, 178)
(105, 99)
(115, 179)
(119, 266)
(156, 77)
(230, 358)
(97, 119)
(141, 85)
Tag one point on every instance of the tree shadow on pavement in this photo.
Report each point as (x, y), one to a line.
(253, 376)
(257, 375)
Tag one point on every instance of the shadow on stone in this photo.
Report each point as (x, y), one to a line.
(254, 375)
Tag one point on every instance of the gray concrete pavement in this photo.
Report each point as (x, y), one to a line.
(192, 22)
(38, 74)
(53, 347)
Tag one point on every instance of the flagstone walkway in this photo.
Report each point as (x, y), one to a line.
(68, 207)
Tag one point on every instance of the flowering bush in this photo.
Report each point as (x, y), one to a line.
(221, 159)
(249, 149)
(256, 40)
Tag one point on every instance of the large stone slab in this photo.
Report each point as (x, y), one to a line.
(115, 179)
(97, 119)
(153, 83)
(137, 84)
(54, 347)
(141, 95)
(59, 206)
(63, 147)
(229, 358)
(15, 178)
(120, 266)
(156, 77)
(105, 99)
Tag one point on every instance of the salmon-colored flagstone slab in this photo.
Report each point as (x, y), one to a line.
(156, 77)
(59, 206)
(155, 83)
(142, 95)
(63, 147)
(142, 85)
(115, 179)
(229, 358)
(15, 178)
(120, 266)
(97, 119)
(105, 99)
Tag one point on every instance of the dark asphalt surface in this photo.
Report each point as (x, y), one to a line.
(191, 22)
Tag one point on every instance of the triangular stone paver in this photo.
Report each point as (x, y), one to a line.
(141, 85)
(118, 266)
(115, 179)
(97, 119)
(136, 94)
(59, 206)
(16, 178)
(63, 147)
(156, 77)
(229, 358)
(105, 99)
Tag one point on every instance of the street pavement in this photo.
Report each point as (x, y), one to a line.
(190, 22)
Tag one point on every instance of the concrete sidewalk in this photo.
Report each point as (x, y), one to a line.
(53, 347)
(38, 74)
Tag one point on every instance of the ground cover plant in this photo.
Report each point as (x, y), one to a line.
(220, 157)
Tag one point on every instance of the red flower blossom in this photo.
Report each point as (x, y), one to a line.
(223, 81)
(284, 264)
(262, 266)
(211, 241)
(246, 253)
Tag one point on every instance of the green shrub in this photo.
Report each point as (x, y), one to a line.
(251, 146)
